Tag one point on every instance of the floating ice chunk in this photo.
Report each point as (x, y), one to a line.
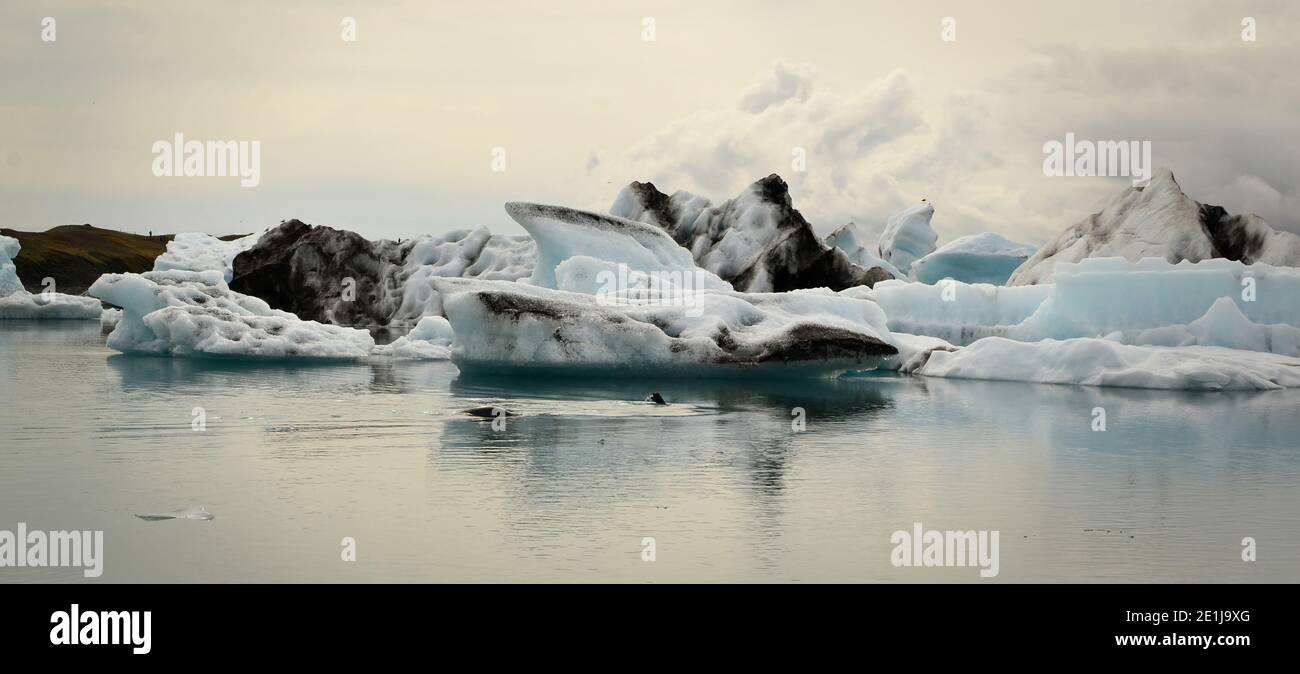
(979, 258)
(430, 339)
(9, 282)
(25, 305)
(908, 237)
(110, 317)
(17, 303)
(1100, 362)
(562, 233)
(192, 513)
(184, 313)
(520, 328)
(191, 251)
(913, 351)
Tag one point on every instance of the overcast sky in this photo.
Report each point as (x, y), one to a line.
(392, 135)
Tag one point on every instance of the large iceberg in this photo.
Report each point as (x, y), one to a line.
(17, 303)
(1146, 302)
(1158, 220)
(978, 258)
(1100, 362)
(203, 252)
(520, 328)
(184, 313)
(757, 241)
(908, 237)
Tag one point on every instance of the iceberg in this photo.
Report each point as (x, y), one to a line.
(757, 241)
(908, 237)
(17, 303)
(957, 312)
(203, 252)
(524, 329)
(430, 339)
(563, 233)
(1224, 325)
(1146, 302)
(1100, 296)
(861, 248)
(979, 258)
(1159, 220)
(195, 314)
(1101, 362)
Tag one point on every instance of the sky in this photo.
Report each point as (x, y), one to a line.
(401, 132)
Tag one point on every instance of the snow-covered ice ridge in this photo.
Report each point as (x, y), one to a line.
(17, 303)
(195, 314)
(1159, 220)
(757, 241)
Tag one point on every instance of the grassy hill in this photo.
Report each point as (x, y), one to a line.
(75, 255)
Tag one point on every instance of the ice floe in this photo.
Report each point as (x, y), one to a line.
(17, 303)
(519, 328)
(184, 313)
(430, 339)
(1101, 362)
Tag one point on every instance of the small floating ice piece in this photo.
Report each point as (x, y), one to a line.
(192, 513)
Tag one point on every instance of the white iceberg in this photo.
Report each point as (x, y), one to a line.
(17, 303)
(519, 328)
(979, 258)
(191, 251)
(183, 313)
(562, 233)
(908, 237)
(1101, 362)
(430, 339)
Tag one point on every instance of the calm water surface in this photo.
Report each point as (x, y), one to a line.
(295, 458)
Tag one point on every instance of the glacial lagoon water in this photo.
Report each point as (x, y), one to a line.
(295, 458)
